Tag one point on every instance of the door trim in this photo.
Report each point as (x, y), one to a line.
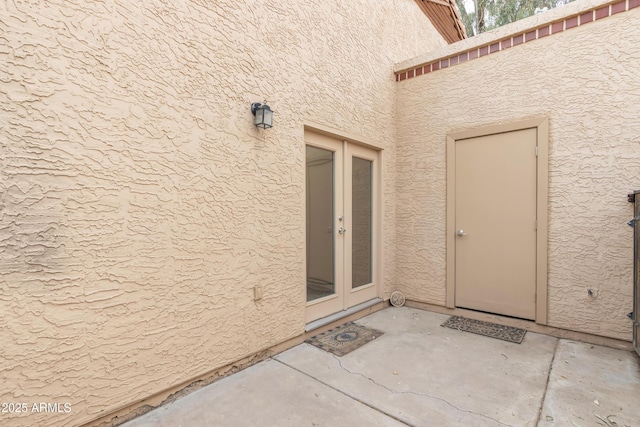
(321, 129)
(541, 124)
(322, 138)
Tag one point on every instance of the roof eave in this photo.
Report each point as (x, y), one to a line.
(445, 17)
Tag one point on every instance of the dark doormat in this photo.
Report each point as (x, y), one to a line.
(344, 339)
(488, 329)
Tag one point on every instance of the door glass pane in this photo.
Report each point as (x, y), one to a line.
(319, 204)
(362, 186)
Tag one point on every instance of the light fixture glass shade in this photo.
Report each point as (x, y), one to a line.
(263, 115)
(267, 121)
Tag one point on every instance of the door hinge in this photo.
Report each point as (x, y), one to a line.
(536, 225)
(536, 151)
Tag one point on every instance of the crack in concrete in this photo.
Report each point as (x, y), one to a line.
(546, 386)
(416, 394)
(344, 393)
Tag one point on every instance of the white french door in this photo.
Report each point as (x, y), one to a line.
(341, 225)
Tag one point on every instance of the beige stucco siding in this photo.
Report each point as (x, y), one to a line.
(587, 81)
(140, 206)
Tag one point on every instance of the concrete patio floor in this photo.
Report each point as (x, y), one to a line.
(421, 374)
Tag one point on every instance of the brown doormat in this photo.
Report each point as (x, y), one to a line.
(493, 330)
(344, 339)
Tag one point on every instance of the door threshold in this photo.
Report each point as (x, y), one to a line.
(491, 313)
(339, 315)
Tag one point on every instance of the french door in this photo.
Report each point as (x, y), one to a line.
(341, 225)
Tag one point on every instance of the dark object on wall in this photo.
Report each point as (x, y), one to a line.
(263, 115)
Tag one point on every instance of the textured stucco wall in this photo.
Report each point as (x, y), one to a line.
(138, 204)
(587, 81)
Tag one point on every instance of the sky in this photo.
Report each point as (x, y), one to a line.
(469, 6)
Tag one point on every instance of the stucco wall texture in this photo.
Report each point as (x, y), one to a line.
(140, 206)
(587, 82)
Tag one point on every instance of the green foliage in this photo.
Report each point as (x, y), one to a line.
(490, 14)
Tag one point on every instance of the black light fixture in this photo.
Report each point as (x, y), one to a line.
(263, 114)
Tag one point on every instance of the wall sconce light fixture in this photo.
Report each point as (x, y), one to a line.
(263, 115)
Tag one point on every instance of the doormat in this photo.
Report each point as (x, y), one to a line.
(344, 339)
(488, 329)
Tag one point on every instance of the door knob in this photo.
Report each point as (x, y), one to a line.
(461, 233)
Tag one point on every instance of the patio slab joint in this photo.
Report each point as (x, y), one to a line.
(345, 394)
(546, 384)
(416, 393)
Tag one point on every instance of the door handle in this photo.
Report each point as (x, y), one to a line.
(342, 230)
(461, 233)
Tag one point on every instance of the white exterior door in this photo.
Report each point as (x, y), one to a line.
(341, 225)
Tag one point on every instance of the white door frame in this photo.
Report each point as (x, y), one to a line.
(542, 126)
(346, 298)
